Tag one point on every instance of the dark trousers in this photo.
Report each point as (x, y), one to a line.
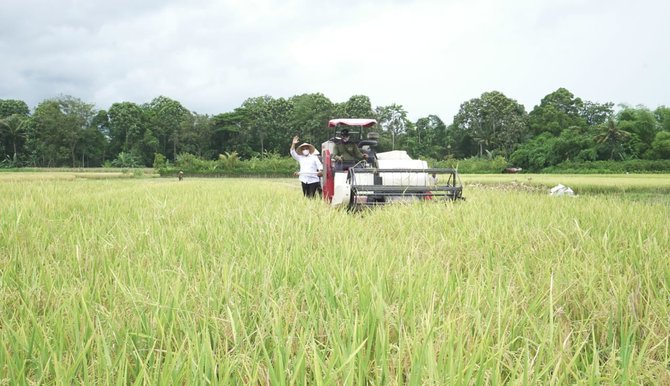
(309, 190)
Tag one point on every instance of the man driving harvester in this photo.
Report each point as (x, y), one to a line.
(345, 153)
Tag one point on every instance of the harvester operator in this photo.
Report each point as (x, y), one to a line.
(346, 153)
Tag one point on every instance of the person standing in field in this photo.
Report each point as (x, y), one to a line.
(310, 167)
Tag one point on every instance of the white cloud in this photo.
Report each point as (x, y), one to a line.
(429, 56)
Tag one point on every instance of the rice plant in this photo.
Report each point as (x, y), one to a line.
(241, 281)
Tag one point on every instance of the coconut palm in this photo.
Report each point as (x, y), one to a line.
(612, 136)
(15, 127)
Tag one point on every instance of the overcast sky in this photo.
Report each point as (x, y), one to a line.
(428, 55)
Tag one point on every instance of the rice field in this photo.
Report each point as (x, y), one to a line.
(584, 183)
(243, 281)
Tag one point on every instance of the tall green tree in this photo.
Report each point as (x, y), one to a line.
(258, 121)
(393, 120)
(535, 154)
(9, 107)
(311, 113)
(358, 106)
(558, 111)
(127, 125)
(641, 124)
(167, 117)
(662, 114)
(58, 127)
(595, 114)
(134, 134)
(268, 121)
(494, 121)
(280, 130)
(574, 144)
(196, 136)
(230, 133)
(428, 138)
(101, 124)
(43, 141)
(79, 117)
(661, 145)
(92, 147)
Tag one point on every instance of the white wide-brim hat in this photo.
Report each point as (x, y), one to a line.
(312, 149)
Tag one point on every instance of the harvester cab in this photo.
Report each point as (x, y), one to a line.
(380, 178)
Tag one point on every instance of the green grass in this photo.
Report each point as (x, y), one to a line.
(154, 281)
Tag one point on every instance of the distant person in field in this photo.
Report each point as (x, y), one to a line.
(180, 175)
(311, 168)
(346, 153)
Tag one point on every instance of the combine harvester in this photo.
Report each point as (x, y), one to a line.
(383, 177)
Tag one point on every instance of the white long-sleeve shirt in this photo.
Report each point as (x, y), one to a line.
(309, 166)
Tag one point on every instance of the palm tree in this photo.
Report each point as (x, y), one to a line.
(612, 136)
(15, 126)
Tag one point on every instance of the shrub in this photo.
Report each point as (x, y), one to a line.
(229, 161)
(159, 161)
(126, 160)
(230, 165)
(8, 163)
(474, 165)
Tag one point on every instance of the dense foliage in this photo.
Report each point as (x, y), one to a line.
(562, 130)
(228, 165)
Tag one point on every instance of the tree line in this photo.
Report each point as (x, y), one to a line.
(66, 131)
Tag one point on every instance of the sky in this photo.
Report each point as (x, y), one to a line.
(429, 56)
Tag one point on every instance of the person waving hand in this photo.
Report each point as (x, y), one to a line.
(310, 166)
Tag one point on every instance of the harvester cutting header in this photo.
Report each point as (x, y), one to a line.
(356, 175)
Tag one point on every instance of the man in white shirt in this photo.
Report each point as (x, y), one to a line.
(310, 167)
